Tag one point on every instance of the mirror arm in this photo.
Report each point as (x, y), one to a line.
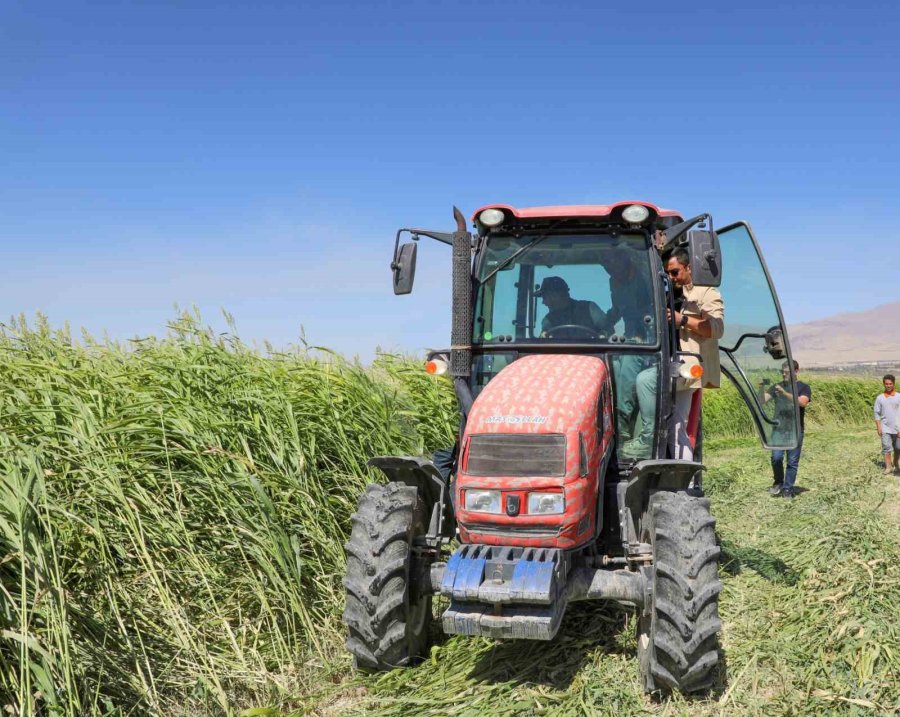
(394, 264)
(673, 234)
(741, 340)
(443, 237)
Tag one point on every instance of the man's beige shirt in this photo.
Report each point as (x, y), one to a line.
(703, 302)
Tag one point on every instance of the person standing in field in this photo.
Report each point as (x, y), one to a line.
(887, 423)
(784, 481)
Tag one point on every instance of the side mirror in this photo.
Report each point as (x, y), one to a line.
(706, 258)
(775, 343)
(404, 267)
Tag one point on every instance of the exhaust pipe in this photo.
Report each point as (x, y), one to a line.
(461, 320)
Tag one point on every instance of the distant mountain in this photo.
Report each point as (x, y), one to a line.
(861, 336)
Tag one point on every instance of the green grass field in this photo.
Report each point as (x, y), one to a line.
(172, 515)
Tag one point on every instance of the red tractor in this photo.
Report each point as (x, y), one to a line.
(561, 487)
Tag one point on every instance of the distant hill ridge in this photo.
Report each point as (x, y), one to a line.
(854, 337)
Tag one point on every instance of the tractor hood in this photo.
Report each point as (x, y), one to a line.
(540, 394)
(543, 424)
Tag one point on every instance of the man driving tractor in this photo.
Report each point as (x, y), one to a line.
(567, 314)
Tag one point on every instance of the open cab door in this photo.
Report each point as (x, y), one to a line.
(754, 351)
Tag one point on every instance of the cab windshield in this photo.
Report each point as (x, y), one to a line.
(566, 288)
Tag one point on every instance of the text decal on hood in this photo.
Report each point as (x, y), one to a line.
(516, 419)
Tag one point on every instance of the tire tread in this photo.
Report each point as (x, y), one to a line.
(377, 590)
(684, 621)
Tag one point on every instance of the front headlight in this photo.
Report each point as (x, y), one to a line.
(483, 501)
(545, 503)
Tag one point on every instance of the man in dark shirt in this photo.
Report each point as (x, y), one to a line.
(784, 407)
(568, 317)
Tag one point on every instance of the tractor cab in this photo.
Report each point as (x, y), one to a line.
(565, 361)
(590, 279)
(587, 284)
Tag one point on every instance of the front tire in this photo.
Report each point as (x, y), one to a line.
(678, 636)
(387, 617)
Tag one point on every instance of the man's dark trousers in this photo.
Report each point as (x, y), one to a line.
(786, 480)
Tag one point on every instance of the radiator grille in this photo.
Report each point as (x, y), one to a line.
(517, 455)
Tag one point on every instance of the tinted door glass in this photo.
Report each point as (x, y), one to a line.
(754, 351)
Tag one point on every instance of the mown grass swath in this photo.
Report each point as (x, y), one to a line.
(173, 512)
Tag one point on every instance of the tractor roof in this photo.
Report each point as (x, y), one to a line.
(582, 210)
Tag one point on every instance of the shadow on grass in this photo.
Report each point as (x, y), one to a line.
(586, 628)
(720, 679)
(736, 558)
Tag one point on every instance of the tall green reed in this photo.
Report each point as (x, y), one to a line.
(189, 498)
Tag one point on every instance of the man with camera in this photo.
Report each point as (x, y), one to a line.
(784, 481)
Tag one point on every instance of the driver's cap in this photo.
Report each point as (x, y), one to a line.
(552, 283)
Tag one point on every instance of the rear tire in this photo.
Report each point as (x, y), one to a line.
(387, 617)
(678, 636)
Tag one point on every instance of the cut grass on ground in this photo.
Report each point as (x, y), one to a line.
(808, 608)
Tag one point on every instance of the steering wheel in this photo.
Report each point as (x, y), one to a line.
(591, 333)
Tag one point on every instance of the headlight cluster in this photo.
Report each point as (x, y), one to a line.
(545, 503)
(488, 501)
(483, 501)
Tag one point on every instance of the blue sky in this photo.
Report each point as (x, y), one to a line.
(258, 157)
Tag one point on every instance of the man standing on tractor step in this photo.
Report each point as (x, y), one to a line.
(701, 323)
(783, 484)
(887, 423)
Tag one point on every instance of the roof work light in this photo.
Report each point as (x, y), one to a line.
(491, 217)
(635, 213)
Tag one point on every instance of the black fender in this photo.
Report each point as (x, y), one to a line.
(647, 478)
(422, 474)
